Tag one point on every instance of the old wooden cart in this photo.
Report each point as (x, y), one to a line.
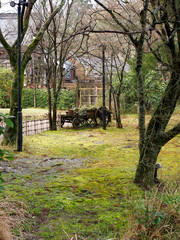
(91, 117)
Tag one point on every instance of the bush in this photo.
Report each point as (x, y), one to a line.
(157, 216)
(66, 98)
(4, 99)
(6, 78)
(28, 98)
(41, 98)
(4, 154)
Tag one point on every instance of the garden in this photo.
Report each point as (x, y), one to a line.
(79, 184)
(88, 182)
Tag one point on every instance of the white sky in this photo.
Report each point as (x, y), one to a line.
(5, 6)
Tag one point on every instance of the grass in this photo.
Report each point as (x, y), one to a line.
(30, 112)
(96, 197)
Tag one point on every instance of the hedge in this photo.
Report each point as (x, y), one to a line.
(4, 99)
(66, 99)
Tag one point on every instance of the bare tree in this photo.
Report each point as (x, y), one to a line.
(120, 63)
(62, 42)
(12, 51)
(165, 16)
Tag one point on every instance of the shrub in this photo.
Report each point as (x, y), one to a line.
(4, 99)
(5, 155)
(157, 216)
(65, 100)
(6, 78)
(28, 98)
(41, 98)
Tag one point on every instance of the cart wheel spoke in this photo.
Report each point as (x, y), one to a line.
(75, 123)
(62, 122)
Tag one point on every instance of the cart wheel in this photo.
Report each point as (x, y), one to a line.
(76, 123)
(99, 119)
(62, 122)
(89, 121)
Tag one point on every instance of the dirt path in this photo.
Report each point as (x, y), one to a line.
(28, 166)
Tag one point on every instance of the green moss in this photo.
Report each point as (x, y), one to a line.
(95, 200)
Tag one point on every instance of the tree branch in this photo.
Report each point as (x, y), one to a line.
(114, 31)
(5, 43)
(35, 42)
(7, 47)
(134, 41)
(25, 22)
(167, 136)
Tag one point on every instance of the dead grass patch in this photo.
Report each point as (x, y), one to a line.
(12, 218)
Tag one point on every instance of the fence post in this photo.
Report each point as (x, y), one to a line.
(34, 124)
(26, 118)
(60, 121)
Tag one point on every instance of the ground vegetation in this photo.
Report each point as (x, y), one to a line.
(79, 184)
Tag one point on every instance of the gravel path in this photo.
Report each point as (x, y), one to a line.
(28, 166)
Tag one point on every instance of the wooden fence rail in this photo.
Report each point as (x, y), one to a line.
(34, 126)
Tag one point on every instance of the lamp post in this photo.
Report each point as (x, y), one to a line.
(19, 113)
(103, 81)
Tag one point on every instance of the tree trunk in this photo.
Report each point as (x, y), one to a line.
(146, 167)
(11, 133)
(117, 110)
(119, 123)
(110, 96)
(34, 93)
(50, 110)
(115, 106)
(140, 95)
(156, 136)
(54, 126)
(49, 99)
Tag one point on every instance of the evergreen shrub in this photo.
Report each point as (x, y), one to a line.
(4, 100)
(28, 98)
(41, 98)
(6, 79)
(66, 98)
